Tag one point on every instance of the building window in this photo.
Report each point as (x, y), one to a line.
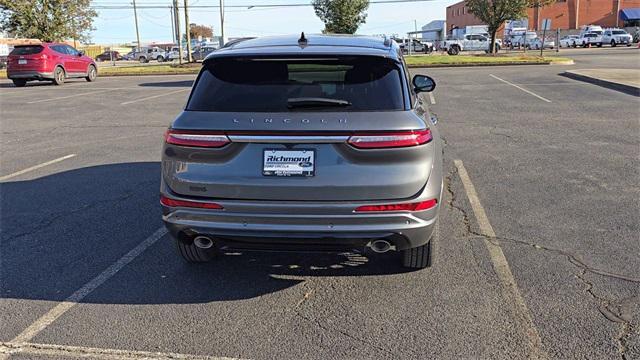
(464, 10)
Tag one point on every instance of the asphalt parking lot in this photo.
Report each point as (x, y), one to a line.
(537, 254)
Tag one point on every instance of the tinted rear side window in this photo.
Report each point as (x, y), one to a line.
(268, 85)
(26, 50)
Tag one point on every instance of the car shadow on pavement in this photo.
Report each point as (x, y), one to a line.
(60, 231)
(181, 83)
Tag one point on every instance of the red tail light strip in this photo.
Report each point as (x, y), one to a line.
(196, 139)
(391, 140)
(360, 140)
(419, 206)
(190, 204)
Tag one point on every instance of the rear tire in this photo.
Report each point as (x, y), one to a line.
(58, 76)
(422, 256)
(19, 82)
(613, 43)
(192, 253)
(417, 258)
(160, 58)
(92, 74)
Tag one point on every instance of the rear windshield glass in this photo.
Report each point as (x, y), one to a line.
(281, 85)
(26, 50)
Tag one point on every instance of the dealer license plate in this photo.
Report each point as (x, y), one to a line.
(288, 162)
(22, 62)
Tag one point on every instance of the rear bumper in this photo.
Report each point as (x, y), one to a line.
(29, 75)
(299, 226)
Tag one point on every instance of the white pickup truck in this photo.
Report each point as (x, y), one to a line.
(590, 38)
(470, 42)
(616, 37)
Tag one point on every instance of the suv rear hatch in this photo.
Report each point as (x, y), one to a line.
(26, 58)
(319, 129)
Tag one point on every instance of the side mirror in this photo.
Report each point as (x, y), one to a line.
(80, 52)
(423, 83)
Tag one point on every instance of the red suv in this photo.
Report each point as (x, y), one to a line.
(49, 61)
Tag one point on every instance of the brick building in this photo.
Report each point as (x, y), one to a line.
(564, 14)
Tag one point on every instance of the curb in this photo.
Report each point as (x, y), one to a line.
(627, 89)
(570, 62)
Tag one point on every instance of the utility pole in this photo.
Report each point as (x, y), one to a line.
(221, 23)
(176, 17)
(135, 16)
(415, 25)
(173, 23)
(186, 20)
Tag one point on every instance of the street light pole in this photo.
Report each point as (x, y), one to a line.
(186, 20)
(135, 16)
(176, 18)
(221, 23)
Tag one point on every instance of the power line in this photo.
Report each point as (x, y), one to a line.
(288, 5)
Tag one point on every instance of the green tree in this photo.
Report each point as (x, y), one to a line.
(48, 20)
(341, 16)
(200, 30)
(495, 12)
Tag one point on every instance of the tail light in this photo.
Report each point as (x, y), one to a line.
(418, 206)
(191, 204)
(390, 140)
(196, 139)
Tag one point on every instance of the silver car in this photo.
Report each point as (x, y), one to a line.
(304, 143)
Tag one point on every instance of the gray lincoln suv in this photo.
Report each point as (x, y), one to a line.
(304, 143)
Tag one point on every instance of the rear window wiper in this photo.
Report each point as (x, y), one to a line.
(315, 102)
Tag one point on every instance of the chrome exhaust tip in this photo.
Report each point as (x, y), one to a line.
(203, 242)
(380, 246)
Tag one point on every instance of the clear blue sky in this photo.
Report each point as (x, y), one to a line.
(117, 25)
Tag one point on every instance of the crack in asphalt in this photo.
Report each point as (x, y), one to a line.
(492, 131)
(604, 304)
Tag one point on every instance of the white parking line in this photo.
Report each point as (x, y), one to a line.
(35, 167)
(432, 98)
(67, 97)
(501, 266)
(518, 87)
(66, 351)
(53, 314)
(154, 96)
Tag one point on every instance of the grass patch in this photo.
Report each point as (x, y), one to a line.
(443, 60)
(162, 69)
(148, 70)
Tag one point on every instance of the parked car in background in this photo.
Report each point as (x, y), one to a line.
(471, 42)
(129, 56)
(537, 44)
(4, 54)
(174, 54)
(615, 37)
(109, 56)
(49, 61)
(588, 39)
(201, 52)
(417, 46)
(569, 40)
(591, 29)
(146, 54)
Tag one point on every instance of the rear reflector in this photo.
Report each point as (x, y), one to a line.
(391, 140)
(191, 204)
(419, 206)
(196, 139)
